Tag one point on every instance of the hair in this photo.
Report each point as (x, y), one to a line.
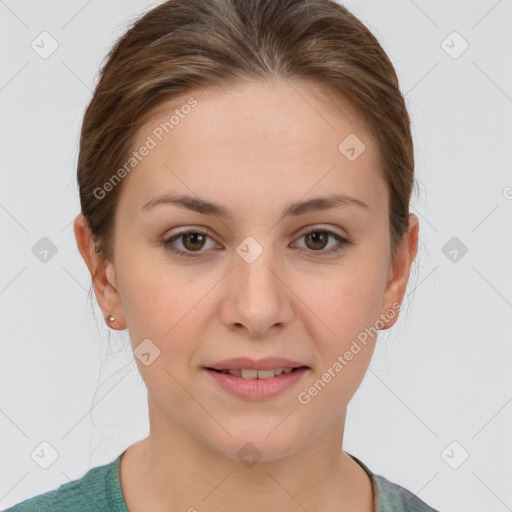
(182, 46)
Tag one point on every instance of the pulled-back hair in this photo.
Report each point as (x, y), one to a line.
(182, 46)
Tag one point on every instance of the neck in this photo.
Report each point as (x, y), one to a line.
(172, 469)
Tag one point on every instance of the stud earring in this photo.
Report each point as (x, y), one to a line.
(110, 318)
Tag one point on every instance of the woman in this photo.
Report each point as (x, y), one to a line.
(245, 171)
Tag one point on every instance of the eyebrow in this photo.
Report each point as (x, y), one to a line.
(294, 209)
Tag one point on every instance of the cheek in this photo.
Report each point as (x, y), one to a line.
(164, 304)
(348, 304)
(147, 297)
(349, 308)
(348, 300)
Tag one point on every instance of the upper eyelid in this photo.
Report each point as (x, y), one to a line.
(207, 232)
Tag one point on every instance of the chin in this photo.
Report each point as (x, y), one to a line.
(264, 444)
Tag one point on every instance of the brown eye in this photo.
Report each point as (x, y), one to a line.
(318, 240)
(191, 242)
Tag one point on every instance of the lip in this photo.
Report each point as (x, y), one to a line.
(246, 363)
(257, 389)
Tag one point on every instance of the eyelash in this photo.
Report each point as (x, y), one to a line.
(343, 242)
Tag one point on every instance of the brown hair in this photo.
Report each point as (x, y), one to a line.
(183, 45)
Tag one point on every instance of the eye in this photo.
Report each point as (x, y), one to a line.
(192, 241)
(317, 240)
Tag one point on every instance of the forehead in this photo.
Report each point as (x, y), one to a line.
(276, 111)
(237, 139)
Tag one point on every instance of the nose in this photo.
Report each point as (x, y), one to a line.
(257, 298)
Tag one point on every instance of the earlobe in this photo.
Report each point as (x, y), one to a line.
(111, 302)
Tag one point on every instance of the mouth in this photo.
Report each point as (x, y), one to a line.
(250, 373)
(252, 384)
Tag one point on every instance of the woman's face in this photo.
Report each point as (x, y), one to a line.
(263, 280)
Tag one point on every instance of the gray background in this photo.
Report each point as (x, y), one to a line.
(441, 375)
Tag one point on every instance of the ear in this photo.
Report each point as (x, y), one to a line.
(102, 273)
(399, 274)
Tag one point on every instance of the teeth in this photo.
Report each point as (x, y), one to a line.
(258, 374)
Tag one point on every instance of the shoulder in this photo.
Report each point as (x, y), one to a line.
(391, 497)
(96, 490)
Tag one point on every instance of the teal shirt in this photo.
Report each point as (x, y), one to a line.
(100, 490)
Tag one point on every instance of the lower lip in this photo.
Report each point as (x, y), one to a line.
(257, 389)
